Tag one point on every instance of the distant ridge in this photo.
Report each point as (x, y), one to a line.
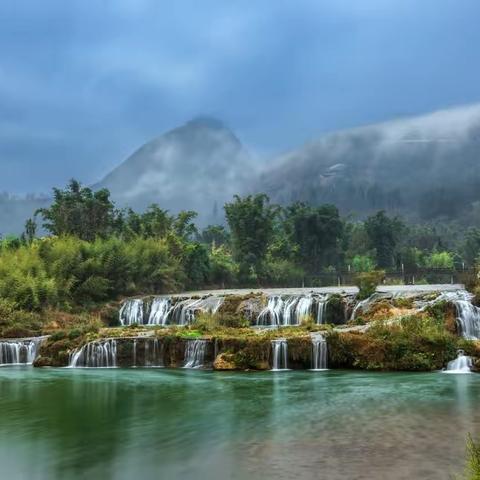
(422, 167)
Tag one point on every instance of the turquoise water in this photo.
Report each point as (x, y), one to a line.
(179, 424)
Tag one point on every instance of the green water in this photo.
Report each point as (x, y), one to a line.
(177, 424)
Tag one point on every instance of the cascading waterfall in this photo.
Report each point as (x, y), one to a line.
(468, 319)
(19, 352)
(195, 353)
(271, 315)
(319, 352)
(291, 310)
(321, 310)
(159, 311)
(364, 305)
(462, 364)
(98, 354)
(131, 312)
(164, 311)
(468, 315)
(153, 353)
(279, 354)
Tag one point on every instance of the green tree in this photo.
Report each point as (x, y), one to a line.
(251, 221)
(471, 246)
(318, 232)
(214, 235)
(79, 211)
(439, 260)
(383, 233)
(30, 230)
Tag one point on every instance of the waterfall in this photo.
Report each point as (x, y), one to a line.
(98, 354)
(364, 305)
(321, 310)
(271, 315)
(287, 311)
(19, 352)
(131, 312)
(153, 353)
(462, 364)
(319, 352)
(468, 319)
(195, 353)
(303, 309)
(159, 311)
(163, 311)
(280, 354)
(468, 315)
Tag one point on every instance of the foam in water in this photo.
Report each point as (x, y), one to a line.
(195, 353)
(279, 354)
(462, 364)
(319, 352)
(98, 354)
(19, 352)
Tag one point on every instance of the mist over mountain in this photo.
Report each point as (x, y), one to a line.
(198, 166)
(423, 167)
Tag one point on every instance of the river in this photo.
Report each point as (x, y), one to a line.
(180, 424)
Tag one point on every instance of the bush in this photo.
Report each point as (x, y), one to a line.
(367, 283)
(416, 343)
(208, 322)
(472, 469)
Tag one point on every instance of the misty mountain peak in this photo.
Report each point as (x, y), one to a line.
(195, 166)
(205, 121)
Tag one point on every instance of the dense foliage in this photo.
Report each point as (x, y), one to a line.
(96, 253)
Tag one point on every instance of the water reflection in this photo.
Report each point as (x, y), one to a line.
(119, 424)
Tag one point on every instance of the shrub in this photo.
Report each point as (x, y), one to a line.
(472, 468)
(367, 282)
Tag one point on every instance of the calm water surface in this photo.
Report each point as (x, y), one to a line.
(177, 424)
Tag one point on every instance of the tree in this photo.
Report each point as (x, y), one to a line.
(383, 233)
(183, 225)
(317, 231)
(214, 235)
(471, 246)
(251, 221)
(30, 230)
(79, 211)
(153, 223)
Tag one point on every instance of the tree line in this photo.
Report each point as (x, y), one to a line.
(95, 252)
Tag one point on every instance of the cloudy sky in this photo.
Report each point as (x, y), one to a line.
(83, 83)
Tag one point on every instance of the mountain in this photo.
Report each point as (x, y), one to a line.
(424, 167)
(197, 166)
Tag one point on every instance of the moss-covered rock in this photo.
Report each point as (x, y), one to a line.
(335, 312)
(417, 344)
(225, 361)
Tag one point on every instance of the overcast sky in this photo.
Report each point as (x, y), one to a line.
(83, 83)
